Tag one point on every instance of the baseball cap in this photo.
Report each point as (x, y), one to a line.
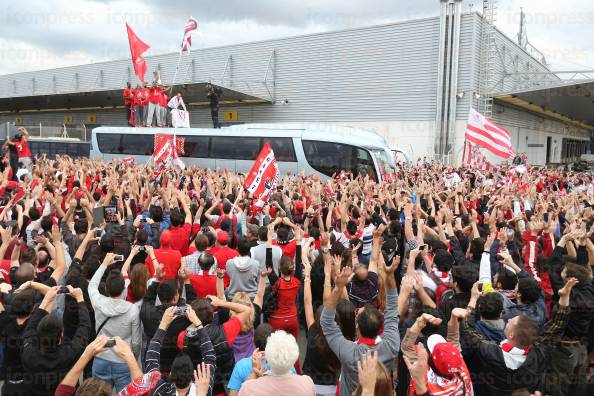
(222, 237)
(446, 357)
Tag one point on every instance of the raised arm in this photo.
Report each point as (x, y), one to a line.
(60, 261)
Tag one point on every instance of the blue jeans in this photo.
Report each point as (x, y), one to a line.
(115, 374)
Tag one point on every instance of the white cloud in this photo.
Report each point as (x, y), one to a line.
(39, 34)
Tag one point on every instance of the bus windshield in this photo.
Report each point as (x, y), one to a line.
(331, 158)
(386, 169)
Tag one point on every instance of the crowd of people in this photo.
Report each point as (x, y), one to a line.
(443, 281)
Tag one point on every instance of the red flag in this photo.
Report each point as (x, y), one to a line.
(167, 150)
(264, 175)
(137, 48)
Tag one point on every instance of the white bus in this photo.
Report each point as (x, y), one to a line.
(314, 149)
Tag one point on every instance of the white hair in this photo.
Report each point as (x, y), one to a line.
(282, 352)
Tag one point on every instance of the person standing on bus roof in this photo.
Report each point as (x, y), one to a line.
(163, 106)
(174, 104)
(138, 108)
(214, 94)
(128, 101)
(146, 93)
(153, 106)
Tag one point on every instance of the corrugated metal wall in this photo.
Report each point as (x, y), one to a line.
(383, 72)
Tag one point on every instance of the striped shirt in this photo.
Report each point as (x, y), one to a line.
(153, 356)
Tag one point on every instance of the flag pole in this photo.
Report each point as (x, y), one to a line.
(239, 194)
(177, 67)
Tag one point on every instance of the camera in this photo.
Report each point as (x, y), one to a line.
(180, 311)
(118, 257)
(142, 248)
(110, 343)
(63, 290)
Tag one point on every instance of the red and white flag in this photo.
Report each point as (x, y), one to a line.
(472, 157)
(137, 48)
(485, 133)
(167, 150)
(263, 177)
(129, 161)
(191, 25)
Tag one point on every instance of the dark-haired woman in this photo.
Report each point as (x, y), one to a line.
(12, 326)
(321, 364)
(287, 286)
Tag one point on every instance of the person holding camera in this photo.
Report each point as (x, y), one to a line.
(182, 369)
(214, 93)
(114, 316)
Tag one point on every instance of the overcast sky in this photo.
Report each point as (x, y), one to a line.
(42, 34)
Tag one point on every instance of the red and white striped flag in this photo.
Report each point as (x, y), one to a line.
(129, 161)
(472, 157)
(484, 133)
(263, 176)
(191, 25)
(167, 150)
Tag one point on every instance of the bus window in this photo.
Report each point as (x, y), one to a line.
(330, 158)
(282, 147)
(109, 143)
(233, 147)
(138, 144)
(196, 146)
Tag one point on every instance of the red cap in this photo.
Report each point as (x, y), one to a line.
(222, 237)
(446, 357)
(11, 185)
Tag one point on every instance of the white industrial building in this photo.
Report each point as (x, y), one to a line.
(412, 82)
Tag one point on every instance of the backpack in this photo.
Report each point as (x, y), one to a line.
(443, 293)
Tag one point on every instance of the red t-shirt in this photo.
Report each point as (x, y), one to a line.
(204, 285)
(22, 149)
(5, 270)
(127, 93)
(232, 327)
(180, 238)
(137, 99)
(155, 95)
(146, 93)
(164, 99)
(223, 254)
(170, 258)
(289, 249)
(287, 292)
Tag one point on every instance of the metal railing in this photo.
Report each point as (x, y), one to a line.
(40, 131)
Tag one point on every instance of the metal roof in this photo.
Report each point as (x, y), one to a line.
(572, 103)
(193, 94)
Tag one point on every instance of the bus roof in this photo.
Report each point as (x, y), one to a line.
(306, 131)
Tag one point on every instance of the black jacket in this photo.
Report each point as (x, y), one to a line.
(490, 374)
(47, 369)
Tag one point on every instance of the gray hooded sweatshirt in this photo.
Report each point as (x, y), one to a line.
(124, 319)
(244, 273)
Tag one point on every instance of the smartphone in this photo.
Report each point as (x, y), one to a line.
(63, 290)
(110, 213)
(98, 232)
(110, 343)
(98, 216)
(118, 257)
(142, 248)
(480, 287)
(180, 311)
